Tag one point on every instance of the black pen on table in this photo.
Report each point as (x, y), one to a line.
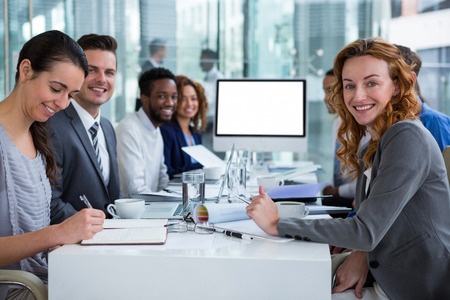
(171, 191)
(238, 235)
(86, 201)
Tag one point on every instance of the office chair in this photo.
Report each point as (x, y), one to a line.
(26, 280)
(446, 154)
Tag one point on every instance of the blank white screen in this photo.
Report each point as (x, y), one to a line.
(261, 107)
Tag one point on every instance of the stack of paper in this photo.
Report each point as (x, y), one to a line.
(130, 232)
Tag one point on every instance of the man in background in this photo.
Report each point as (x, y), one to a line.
(208, 64)
(436, 122)
(158, 51)
(83, 140)
(140, 147)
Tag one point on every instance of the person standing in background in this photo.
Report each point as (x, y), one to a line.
(84, 141)
(140, 147)
(157, 49)
(188, 121)
(44, 84)
(436, 122)
(208, 64)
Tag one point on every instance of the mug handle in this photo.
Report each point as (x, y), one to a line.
(281, 182)
(111, 208)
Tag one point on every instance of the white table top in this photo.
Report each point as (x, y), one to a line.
(250, 269)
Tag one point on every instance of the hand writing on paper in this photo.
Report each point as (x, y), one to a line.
(81, 226)
(264, 212)
(352, 273)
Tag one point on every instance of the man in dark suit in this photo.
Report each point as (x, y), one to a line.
(83, 141)
(158, 51)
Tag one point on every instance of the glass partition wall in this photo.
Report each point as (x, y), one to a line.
(253, 39)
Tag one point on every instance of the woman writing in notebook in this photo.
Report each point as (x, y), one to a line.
(401, 229)
(50, 70)
(188, 121)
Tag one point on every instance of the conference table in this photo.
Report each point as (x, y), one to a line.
(192, 266)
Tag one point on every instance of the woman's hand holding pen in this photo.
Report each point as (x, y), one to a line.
(264, 212)
(82, 226)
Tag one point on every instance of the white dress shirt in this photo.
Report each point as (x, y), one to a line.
(88, 121)
(140, 155)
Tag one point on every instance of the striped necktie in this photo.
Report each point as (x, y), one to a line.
(93, 131)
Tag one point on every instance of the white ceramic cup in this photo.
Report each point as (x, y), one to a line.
(127, 208)
(291, 209)
(213, 173)
(268, 182)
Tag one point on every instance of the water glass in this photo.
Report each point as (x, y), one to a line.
(237, 181)
(193, 189)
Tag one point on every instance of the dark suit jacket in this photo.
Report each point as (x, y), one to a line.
(78, 163)
(176, 160)
(146, 66)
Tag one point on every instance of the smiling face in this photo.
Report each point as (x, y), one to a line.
(367, 88)
(188, 107)
(51, 91)
(98, 87)
(159, 106)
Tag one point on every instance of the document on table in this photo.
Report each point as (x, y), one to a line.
(130, 232)
(204, 156)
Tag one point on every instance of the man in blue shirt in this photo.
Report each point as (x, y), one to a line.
(436, 122)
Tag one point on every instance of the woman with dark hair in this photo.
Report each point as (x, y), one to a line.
(188, 121)
(401, 230)
(50, 70)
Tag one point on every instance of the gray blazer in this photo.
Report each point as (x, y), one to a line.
(78, 163)
(402, 221)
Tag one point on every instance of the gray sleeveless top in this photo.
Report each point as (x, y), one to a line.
(25, 196)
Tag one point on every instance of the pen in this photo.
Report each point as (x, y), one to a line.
(171, 191)
(86, 201)
(243, 199)
(238, 235)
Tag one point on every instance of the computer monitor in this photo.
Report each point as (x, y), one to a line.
(261, 115)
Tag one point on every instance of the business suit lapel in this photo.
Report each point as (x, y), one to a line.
(83, 136)
(110, 139)
(180, 136)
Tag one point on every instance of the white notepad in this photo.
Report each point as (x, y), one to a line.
(130, 232)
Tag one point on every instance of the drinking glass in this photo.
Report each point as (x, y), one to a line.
(193, 189)
(237, 180)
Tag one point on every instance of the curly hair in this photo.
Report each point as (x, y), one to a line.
(199, 120)
(401, 107)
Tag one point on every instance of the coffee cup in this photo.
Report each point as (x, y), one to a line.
(291, 209)
(213, 173)
(269, 182)
(127, 208)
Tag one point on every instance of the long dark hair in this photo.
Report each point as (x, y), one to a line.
(44, 51)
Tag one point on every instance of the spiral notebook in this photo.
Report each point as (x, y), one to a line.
(130, 232)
